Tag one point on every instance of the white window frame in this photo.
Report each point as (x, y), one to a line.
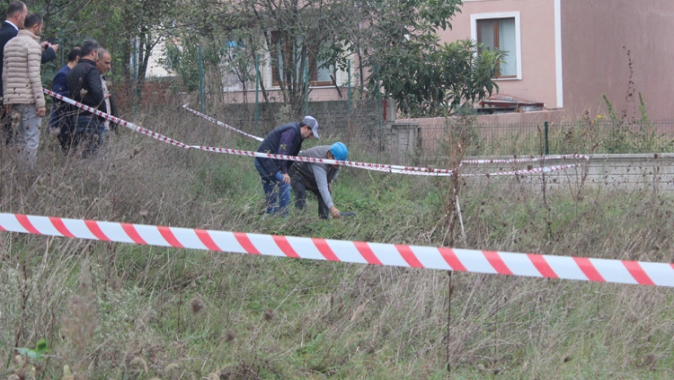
(518, 36)
(268, 75)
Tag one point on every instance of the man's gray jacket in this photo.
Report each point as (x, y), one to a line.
(317, 176)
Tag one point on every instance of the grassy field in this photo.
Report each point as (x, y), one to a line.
(115, 311)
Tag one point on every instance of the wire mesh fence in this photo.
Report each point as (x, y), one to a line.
(585, 136)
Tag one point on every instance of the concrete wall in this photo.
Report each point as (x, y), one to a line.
(609, 171)
(402, 142)
(538, 81)
(596, 35)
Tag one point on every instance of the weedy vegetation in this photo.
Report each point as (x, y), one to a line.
(78, 309)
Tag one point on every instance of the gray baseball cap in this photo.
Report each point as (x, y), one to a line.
(310, 122)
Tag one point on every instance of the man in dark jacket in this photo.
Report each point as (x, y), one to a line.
(104, 65)
(60, 121)
(84, 86)
(286, 140)
(16, 14)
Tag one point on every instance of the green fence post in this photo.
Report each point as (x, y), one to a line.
(135, 77)
(306, 86)
(257, 89)
(62, 46)
(348, 88)
(379, 110)
(547, 144)
(201, 80)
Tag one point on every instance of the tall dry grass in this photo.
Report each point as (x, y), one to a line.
(117, 311)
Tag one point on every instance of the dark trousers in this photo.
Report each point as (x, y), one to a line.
(300, 192)
(61, 121)
(275, 201)
(7, 132)
(89, 133)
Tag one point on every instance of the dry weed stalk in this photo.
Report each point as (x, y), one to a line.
(79, 325)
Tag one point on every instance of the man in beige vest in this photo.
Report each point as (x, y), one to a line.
(22, 87)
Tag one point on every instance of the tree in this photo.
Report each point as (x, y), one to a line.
(395, 41)
(114, 24)
(285, 35)
(429, 80)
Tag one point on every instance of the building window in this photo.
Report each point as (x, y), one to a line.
(235, 76)
(500, 31)
(285, 51)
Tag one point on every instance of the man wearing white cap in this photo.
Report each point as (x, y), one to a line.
(286, 140)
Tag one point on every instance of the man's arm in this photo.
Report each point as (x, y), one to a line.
(33, 60)
(60, 85)
(322, 183)
(334, 178)
(96, 89)
(113, 112)
(48, 54)
(4, 74)
(287, 138)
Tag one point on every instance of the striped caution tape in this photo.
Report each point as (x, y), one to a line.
(398, 169)
(465, 260)
(395, 169)
(117, 120)
(464, 162)
(527, 159)
(212, 120)
(523, 172)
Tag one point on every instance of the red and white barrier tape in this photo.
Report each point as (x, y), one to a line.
(464, 162)
(416, 171)
(545, 169)
(527, 159)
(363, 165)
(212, 120)
(117, 120)
(465, 260)
(396, 169)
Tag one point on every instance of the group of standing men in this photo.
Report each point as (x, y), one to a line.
(21, 87)
(278, 176)
(82, 79)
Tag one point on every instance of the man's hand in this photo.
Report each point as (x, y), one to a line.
(334, 212)
(53, 132)
(41, 112)
(55, 47)
(44, 45)
(286, 178)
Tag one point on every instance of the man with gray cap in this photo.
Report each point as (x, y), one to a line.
(286, 140)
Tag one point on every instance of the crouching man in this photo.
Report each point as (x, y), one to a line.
(318, 177)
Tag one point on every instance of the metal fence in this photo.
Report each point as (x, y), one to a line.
(585, 136)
